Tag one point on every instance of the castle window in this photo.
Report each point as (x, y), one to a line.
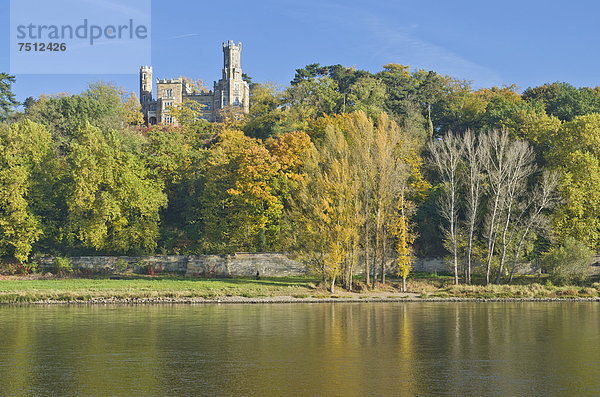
(169, 92)
(143, 98)
(144, 76)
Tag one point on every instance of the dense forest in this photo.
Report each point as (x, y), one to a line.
(348, 169)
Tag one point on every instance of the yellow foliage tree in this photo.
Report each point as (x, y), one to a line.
(404, 240)
(133, 110)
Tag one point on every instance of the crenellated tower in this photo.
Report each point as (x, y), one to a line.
(232, 90)
(232, 68)
(145, 87)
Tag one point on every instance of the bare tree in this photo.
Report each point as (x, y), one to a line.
(543, 197)
(519, 167)
(446, 154)
(495, 152)
(474, 179)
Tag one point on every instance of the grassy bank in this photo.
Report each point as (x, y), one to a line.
(16, 290)
(420, 286)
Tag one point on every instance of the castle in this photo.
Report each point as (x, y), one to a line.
(230, 90)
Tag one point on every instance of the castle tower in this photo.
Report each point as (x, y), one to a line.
(145, 87)
(231, 61)
(232, 89)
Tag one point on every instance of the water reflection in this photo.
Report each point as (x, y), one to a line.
(302, 349)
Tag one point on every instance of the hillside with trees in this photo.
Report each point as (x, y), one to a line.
(353, 171)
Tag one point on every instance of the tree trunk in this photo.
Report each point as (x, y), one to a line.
(383, 248)
(491, 241)
(469, 249)
(377, 243)
(366, 258)
(453, 229)
(332, 289)
(504, 245)
(514, 266)
(374, 277)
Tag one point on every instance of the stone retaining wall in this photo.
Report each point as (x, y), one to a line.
(238, 264)
(269, 264)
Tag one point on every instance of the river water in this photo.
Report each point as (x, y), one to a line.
(348, 349)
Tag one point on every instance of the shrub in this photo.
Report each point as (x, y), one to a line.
(62, 266)
(150, 269)
(569, 263)
(121, 265)
(12, 268)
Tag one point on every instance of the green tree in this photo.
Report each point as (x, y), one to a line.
(101, 105)
(563, 100)
(367, 94)
(113, 206)
(191, 118)
(175, 158)
(575, 153)
(265, 117)
(7, 98)
(23, 148)
(312, 98)
(568, 263)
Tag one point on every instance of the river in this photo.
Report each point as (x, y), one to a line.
(348, 349)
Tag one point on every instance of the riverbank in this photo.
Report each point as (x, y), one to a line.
(286, 300)
(137, 289)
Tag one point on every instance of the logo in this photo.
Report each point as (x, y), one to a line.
(79, 36)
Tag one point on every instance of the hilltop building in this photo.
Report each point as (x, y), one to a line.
(230, 90)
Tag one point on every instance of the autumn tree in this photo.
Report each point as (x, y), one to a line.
(325, 205)
(132, 110)
(404, 239)
(258, 208)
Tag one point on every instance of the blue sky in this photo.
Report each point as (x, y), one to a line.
(490, 43)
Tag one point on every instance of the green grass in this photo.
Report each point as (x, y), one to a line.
(179, 287)
(12, 291)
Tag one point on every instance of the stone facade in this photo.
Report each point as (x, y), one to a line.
(230, 91)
